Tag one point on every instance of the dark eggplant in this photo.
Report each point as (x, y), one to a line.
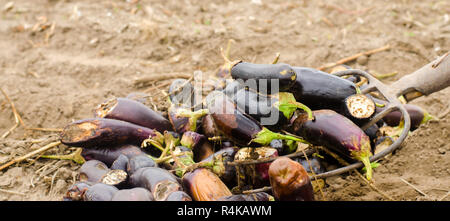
(134, 194)
(417, 115)
(134, 112)
(261, 196)
(95, 171)
(359, 108)
(208, 127)
(139, 161)
(265, 78)
(256, 175)
(96, 132)
(289, 181)
(109, 155)
(179, 196)
(204, 185)
(337, 133)
(283, 146)
(313, 163)
(120, 163)
(100, 192)
(238, 126)
(199, 145)
(160, 182)
(320, 90)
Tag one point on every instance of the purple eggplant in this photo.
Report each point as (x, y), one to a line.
(96, 132)
(139, 161)
(134, 112)
(161, 183)
(290, 181)
(100, 192)
(179, 196)
(238, 126)
(109, 155)
(417, 115)
(120, 163)
(95, 171)
(338, 133)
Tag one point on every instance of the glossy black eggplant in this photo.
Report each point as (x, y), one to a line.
(238, 126)
(134, 112)
(97, 132)
(337, 133)
(266, 77)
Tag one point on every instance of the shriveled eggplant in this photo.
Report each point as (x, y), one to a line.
(204, 185)
(97, 132)
(120, 163)
(109, 155)
(160, 182)
(238, 126)
(134, 112)
(134, 194)
(139, 161)
(290, 181)
(100, 192)
(338, 133)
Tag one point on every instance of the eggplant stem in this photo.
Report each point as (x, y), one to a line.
(152, 142)
(193, 116)
(277, 57)
(74, 156)
(306, 109)
(265, 136)
(427, 117)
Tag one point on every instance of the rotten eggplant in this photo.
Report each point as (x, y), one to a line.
(109, 155)
(204, 185)
(100, 192)
(160, 182)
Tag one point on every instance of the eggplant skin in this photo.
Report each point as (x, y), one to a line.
(160, 182)
(248, 71)
(100, 192)
(416, 115)
(109, 155)
(320, 90)
(203, 185)
(290, 181)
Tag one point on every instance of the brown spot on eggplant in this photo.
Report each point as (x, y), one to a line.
(290, 181)
(160, 182)
(203, 185)
(134, 194)
(283, 73)
(104, 132)
(134, 112)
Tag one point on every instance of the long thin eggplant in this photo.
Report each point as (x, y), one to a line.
(289, 181)
(264, 76)
(238, 126)
(95, 132)
(338, 133)
(134, 112)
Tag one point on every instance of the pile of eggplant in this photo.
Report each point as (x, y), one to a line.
(222, 148)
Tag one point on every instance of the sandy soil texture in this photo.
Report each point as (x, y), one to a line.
(61, 58)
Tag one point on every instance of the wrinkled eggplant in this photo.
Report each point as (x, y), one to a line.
(238, 126)
(261, 196)
(96, 132)
(179, 196)
(109, 155)
(95, 171)
(134, 112)
(120, 163)
(139, 161)
(337, 133)
(256, 175)
(265, 76)
(134, 194)
(100, 192)
(290, 181)
(161, 183)
(204, 185)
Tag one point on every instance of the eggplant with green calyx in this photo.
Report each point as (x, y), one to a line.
(256, 175)
(198, 143)
(261, 196)
(290, 181)
(109, 155)
(204, 185)
(179, 196)
(134, 194)
(238, 126)
(218, 163)
(134, 112)
(338, 133)
(100, 192)
(139, 161)
(320, 90)
(120, 163)
(76, 191)
(265, 78)
(160, 182)
(98, 132)
(417, 115)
